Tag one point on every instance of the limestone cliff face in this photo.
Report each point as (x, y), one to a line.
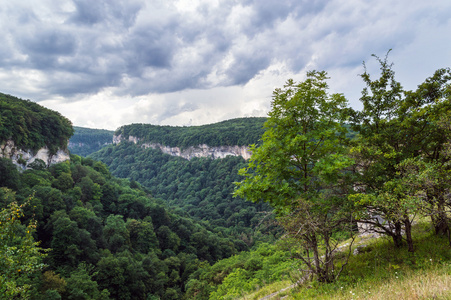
(23, 158)
(191, 152)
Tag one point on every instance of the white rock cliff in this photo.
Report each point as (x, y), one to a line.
(191, 152)
(23, 158)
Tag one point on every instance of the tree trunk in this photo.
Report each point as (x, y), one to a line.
(408, 228)
(440, 219)
(397, 235)
(329, 258)
(314, 246)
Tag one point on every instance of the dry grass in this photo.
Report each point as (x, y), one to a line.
(433, 284)
(413, 285)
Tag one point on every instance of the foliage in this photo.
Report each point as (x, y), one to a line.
(9, 175)
(376, 270)
(396, 126)
(200, 187)
(383, 271)
(240, 132)
(299, 167)
(240, 274)
(107, 238)
(32, 126)
(86, 140)
(110, 239)
(80, 285)
(20, 254)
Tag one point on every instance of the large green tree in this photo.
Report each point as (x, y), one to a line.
(396, 126)
(298, 168)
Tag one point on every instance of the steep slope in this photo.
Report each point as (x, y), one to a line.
(107, 237)
(199, 186)
(231, 137)
(218, 140)
(30, 132)
(89, 218)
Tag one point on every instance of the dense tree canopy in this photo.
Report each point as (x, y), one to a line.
(200, 187)
(240, 132)
(21, 257)
(164, 232)
(86, 141)
(32, 126)
(108, 236)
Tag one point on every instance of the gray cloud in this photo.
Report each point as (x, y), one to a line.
(160, 49)
(110, 12)
(76, 49)
(45, 46)
(149, 47)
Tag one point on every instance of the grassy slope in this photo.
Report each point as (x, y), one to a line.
(381, 271)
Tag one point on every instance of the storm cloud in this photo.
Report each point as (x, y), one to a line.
(166, 61)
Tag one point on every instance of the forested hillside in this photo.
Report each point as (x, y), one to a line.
(100, 237)
(31, 126)
(86, 140)
(235, 132)
(201, 187)
(105, 233)
(392, 180)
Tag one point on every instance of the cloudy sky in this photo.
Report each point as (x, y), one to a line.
(106, 63)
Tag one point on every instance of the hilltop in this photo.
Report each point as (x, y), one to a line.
(30, 133)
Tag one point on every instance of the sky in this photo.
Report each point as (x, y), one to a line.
(107, 63)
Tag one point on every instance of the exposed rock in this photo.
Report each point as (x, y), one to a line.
(191, 152)
(71, 144)
(23, 158)
(117, 139)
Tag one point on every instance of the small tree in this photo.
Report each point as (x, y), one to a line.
(299, 167)
(20, 255)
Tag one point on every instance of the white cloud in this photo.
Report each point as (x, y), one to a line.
(109, 63)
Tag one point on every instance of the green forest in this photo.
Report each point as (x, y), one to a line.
(201, 187)
(132, 223)
(108, 237)
(86, 140)
(235, 132)
(32, 126)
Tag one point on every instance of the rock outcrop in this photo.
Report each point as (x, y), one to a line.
(23, 158)
(191, 152)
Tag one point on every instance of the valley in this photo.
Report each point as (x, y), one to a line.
(240, 209)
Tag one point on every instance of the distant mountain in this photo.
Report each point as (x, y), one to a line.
(216, 140)
(86, 140)
(234, 132)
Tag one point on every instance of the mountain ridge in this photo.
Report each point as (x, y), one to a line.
(216, 140)
(233, 132)
(198, 151)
